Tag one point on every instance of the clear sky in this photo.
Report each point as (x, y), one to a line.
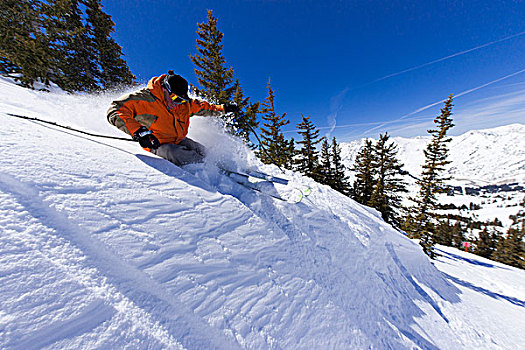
(357, 68)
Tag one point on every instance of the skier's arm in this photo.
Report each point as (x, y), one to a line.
(122, 116)
(204, 108)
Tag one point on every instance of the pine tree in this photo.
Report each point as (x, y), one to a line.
(326, 175)
(245, 121)
(54, 41)
(74, 57)
(113, 70)
(215, 79)
(432, 179)
(364, 174)
(458, 235)
(332, 171)
(291, 152)
(24, 45)
(518, 220)
(307, 161)
(510, 249)
(386, 196)
(16, 17)
(486, 243)
(273, 148)
(340, 180)
(443, 234)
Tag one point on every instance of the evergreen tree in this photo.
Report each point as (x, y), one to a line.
(48, 41)
(24, 45)
(486, 243)
(510, 249)
(215, 79)
(75, 66)
(332, 171)
(458, 235)
(13, 30)
(307, 161)
(273, 149)
(291, 152)
(386, 196)
(326, 175)
(113, 70)
(432, 179)
(443, 234)
(340, 181)
(518, 219)
(364, 174)
(245, 121)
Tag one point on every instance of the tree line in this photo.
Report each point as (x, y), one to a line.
(490, 242)
(65, 42)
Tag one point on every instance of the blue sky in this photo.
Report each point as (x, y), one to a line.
(357, 68)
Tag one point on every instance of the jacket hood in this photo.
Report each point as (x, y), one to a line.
(154, 86)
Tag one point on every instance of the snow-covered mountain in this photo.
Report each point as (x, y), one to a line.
(104, 245)
(479, 157)
(487, 169)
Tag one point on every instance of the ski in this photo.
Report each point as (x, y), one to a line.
(261, 175)
(252, 175)
(257, 183)
(258, 175)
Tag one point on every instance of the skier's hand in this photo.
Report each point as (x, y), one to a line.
(146, 138)
(231, 107)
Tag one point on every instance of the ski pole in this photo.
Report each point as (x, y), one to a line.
(68, 127)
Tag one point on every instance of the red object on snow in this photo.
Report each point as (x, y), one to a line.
(466, 245)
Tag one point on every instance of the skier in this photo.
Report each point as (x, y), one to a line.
(158, 117)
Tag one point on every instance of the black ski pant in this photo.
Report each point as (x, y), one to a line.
(186, 152)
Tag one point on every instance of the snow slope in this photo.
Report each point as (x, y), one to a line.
(479, 157)
(103, 245)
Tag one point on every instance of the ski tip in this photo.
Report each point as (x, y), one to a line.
(306, 191)
(295, 196)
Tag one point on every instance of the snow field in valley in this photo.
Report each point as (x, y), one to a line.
(104, 245)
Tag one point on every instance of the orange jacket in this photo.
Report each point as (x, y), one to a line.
(147, 107)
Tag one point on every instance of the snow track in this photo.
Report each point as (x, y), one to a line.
(50, 289)
(142, 293)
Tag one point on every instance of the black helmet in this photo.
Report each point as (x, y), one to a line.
(175, 84)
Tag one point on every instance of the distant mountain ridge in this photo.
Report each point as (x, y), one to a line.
(479, 157)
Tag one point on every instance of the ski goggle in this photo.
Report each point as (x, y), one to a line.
(166, 85)
(177, 99)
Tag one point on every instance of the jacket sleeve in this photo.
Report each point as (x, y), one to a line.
(121, 115)
(203, 108)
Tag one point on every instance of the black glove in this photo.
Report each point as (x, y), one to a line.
(231, 107)
(146, 138)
